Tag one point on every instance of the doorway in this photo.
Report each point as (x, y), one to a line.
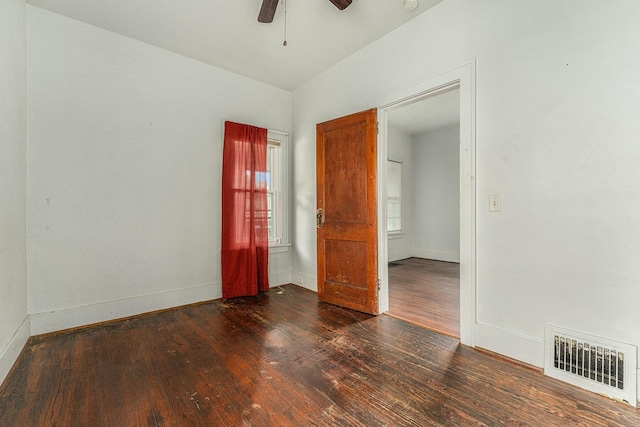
(462, 79)
(423, 211)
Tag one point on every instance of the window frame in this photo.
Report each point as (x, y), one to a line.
(279, 188)
(400, 202)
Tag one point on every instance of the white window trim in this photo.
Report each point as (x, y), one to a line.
(397, 234)
(281, 244)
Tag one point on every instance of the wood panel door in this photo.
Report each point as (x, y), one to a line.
(346, 217)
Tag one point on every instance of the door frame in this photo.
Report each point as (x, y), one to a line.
(462, 77)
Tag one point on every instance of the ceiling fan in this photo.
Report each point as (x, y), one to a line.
(268, 9)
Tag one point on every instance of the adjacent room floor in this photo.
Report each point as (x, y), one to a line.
(427, 293)
(281, 359)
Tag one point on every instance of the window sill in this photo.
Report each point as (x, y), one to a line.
(395, 235)
(276, 248)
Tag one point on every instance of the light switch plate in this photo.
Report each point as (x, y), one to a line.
(495, 203)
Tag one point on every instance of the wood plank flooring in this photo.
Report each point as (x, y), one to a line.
(427, 293)
(281, 359)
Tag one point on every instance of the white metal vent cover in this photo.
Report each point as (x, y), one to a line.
(596, 364)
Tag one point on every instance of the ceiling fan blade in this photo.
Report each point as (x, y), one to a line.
(267, 11)
(341, 4)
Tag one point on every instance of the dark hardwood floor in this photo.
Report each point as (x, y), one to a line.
(281, 359)
(427, 293)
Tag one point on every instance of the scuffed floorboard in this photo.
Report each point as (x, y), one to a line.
(281, 359)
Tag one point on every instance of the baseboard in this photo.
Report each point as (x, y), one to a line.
(436, 255)
(9, 354)
(515, 346)
(305, 281)
(638, 385)
(280, 278)
(73, 317)
(401, 254)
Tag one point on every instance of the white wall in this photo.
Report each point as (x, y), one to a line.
(124, 164)
(400, 146)
(557, 135)
(14, 328)
(436, 179)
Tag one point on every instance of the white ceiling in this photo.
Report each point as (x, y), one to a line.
(227, 34)
(428, 114)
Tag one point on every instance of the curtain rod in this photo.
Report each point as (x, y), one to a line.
(270, 130)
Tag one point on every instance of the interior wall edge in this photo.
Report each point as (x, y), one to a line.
(10, 353)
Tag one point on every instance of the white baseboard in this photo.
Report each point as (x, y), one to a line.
(9, 354)
(436, 255)
(401, 254)
(66, 318)
(305, 281)
(73, 317)
(638, 385)
(515, 346)
(280, 278)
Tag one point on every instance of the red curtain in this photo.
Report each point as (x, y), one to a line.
(245, 238)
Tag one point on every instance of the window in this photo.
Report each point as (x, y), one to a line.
(394, 196)
(276, 181)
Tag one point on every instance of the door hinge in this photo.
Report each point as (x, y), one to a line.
(377, 128)
(379, 284)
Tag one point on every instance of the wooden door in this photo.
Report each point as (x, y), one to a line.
(346, 217)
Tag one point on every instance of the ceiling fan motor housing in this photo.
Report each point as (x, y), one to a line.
(341, 4)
